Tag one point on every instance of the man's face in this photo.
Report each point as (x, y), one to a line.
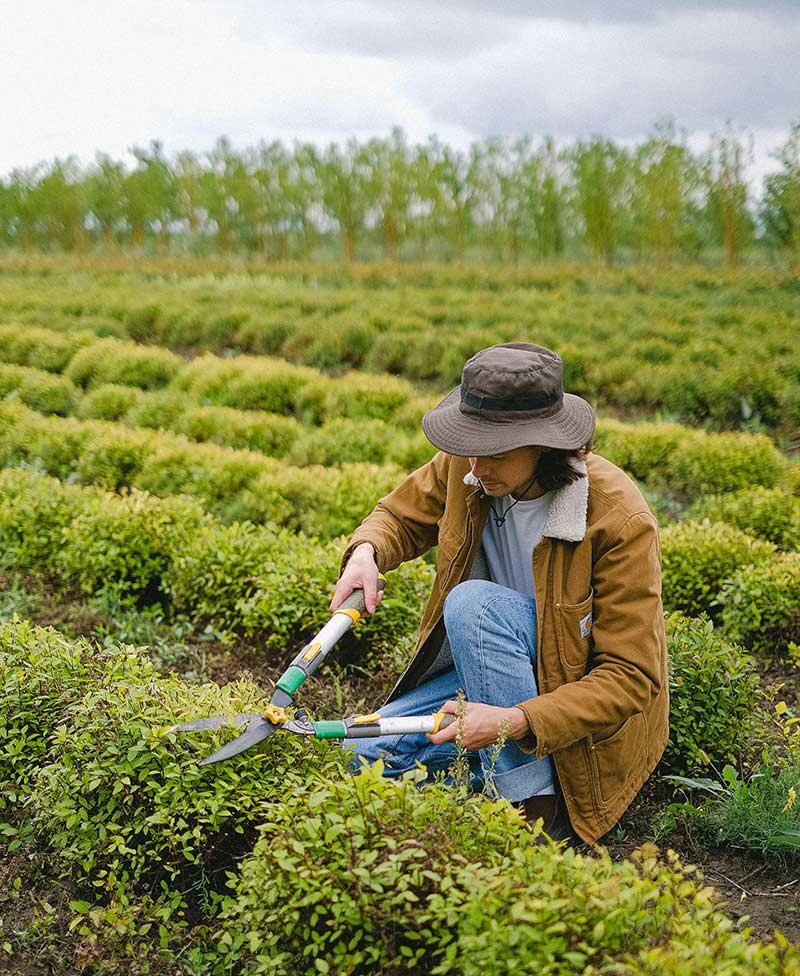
(508, 473)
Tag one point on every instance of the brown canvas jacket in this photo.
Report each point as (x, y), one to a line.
(602, 709)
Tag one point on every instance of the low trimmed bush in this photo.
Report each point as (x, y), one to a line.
(45, 349)
(761, 604)
(697, 558)
(768, 513)
(250, 430)
(38, 389)
(109, 401)
(713, 692)
(121, 361)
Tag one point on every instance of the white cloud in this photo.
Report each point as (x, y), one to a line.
(86, 75)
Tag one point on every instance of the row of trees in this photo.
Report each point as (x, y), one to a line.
(508, 199)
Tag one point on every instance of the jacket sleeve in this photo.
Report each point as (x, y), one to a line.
(405, 523)
(629, 653)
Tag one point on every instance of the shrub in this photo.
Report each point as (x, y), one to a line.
(341, 441)
(34, 511)
(768, 513)
(251, 430)
(220, 567)
(39, 390)
(110, 401)
(158, 409)
(361, 395)
(50, 446)
(42, 348)
(790, 479)
(366, 858)
(121, 802)
(112, 457)
(725, 462)
(127, 544)
(696, 559)
(323, 502)
(40, 670)
(120, 361)
(643, 450)
(332, 344)
(713, 688)
(245, 382)
(377, 876)
(761, 604)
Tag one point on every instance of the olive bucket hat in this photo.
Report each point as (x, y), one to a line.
(511, 395)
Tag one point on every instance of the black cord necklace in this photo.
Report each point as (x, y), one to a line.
(500, 520)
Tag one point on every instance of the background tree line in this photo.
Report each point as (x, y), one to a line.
(384, 198)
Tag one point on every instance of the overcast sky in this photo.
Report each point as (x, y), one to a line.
(77, 76)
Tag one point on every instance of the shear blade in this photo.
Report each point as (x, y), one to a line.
(215, 722)
(258, 730)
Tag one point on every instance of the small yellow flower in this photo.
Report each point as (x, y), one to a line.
(791, 796)
(781, 708)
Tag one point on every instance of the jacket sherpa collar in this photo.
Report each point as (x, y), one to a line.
(567, 516)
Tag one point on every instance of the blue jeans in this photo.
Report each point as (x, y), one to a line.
(492, 631)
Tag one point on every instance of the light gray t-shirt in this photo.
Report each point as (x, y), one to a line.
(509, 548)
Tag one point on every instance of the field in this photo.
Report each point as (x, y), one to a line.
(184, 449)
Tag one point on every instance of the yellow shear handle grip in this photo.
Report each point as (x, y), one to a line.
(441, 720)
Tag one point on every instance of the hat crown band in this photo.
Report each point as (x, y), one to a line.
(541, 402)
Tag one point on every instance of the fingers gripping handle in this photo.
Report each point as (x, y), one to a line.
(315, 652)
(356, 600)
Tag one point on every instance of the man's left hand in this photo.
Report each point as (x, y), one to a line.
(481, 725)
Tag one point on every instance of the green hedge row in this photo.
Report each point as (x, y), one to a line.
(738, 579)
(386, 879)
(349, 874)
(669, 344)
(259, 581)
(236, 485)
(769, 513)
(273, 586)
(363, 421)
(241, 382)
(690, 462)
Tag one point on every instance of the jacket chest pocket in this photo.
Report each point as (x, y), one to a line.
(574, 634)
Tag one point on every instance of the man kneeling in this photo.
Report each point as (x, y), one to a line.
(546, 608)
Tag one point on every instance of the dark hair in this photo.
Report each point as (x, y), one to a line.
(554, 469)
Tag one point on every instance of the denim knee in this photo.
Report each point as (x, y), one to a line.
(466, 598)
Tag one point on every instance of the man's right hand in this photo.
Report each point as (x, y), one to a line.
(361, 572)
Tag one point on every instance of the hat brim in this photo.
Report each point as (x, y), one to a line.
(465, 435)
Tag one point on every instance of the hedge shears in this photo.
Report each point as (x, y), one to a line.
(260, 725)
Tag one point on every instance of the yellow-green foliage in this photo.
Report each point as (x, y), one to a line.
(233, 484)
(713, 692)
(697, 558)
(245, 382)
(761, 604)
(378, 876)
(115, 798)
(27, 345)
(249, 430)
(243, 579)
(118, 361)
(769, 513)
(38, 389)
(109, 401)
(688, 461)
(699, 346)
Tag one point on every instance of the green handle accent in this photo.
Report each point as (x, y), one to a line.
(330, 730)
(291, 679)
